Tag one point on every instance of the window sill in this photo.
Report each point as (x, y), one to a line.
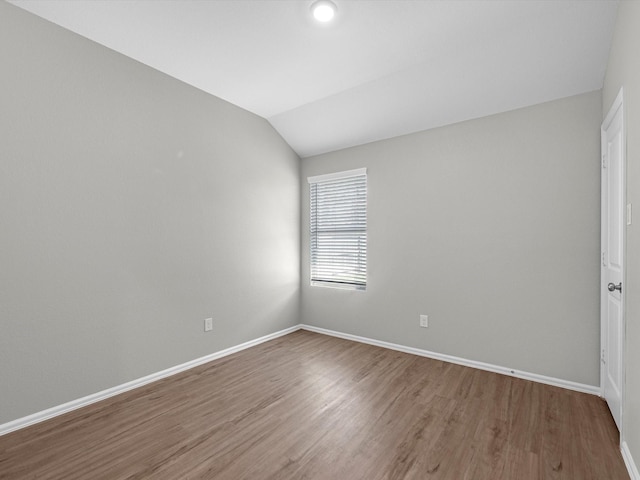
(339, 286)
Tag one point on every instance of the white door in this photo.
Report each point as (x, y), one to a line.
(614, 218)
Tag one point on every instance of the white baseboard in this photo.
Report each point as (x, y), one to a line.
(96, 397)
(556, 382)
(110, 392)
(628, 461)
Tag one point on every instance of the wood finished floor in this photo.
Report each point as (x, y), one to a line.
(309, 406)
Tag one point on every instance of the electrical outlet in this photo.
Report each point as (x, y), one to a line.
(424, 321)
(208, 324)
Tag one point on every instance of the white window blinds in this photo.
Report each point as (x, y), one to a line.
(339, 229)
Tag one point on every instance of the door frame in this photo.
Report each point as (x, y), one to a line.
(617, 105)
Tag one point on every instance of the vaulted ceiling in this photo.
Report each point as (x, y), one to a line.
(383, 68)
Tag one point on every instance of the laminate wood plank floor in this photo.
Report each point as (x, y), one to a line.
(310, 406)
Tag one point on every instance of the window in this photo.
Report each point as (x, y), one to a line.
(339, 229)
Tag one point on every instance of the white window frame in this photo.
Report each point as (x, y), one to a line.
(338, 238)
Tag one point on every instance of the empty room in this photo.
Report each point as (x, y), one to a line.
(319, 239)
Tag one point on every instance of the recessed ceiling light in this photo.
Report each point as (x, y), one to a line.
(323, 10)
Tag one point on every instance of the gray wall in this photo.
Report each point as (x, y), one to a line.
(624, 70)
(132, 206)
(491, 227)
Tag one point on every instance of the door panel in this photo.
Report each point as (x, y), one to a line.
(613, 260)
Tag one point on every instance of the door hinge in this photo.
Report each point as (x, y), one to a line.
(604, 263)
(604, 161)
(602, 357)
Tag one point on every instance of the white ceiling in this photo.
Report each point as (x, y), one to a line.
(383, 68)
